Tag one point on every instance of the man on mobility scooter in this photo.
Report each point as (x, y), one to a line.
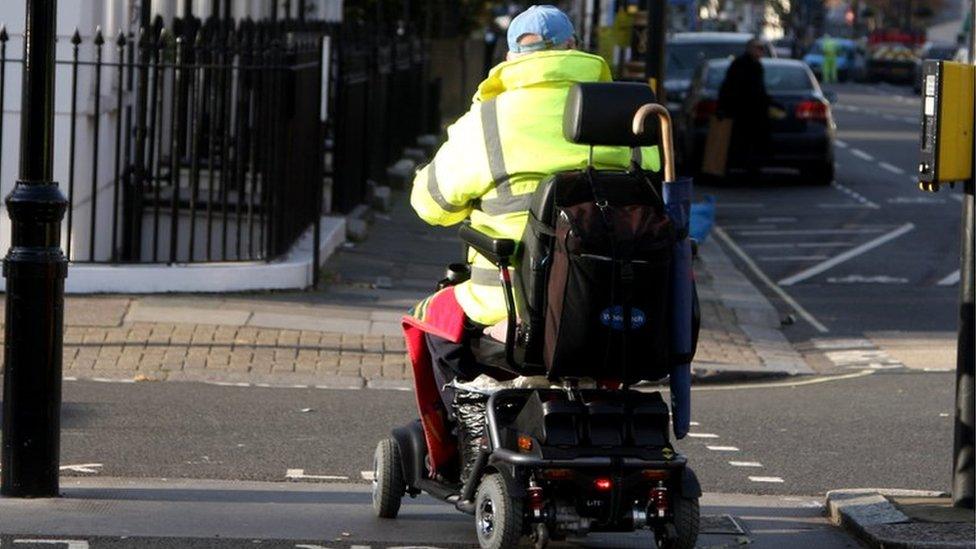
(556, 444)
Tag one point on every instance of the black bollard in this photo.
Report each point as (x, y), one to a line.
(35, 269)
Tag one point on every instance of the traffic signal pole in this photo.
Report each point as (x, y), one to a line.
(657, 30)
(964, 454)
(35, 269)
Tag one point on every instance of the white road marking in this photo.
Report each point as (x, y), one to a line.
(891, 168)
(724, 237)
(861, 279)
(299, 474)
(914, 200)
(694, 423)
(773, 246)
(702, 435)
(840, 144)
(773, 258)
(745, 464)
(845, 206)
(776, 220)
(110, 380)
(840, 343)
(957, 197)
(89, 468)
(368, 475)
(785, 384)
(747, 205)
(722, 448)
(766, 479)
(855, 195)
(810, 232)
(862, 155)
(910, 120)
(950, 280)
(70, 543)
(846, 256)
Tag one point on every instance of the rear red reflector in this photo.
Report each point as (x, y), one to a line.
(603, 484)
(558, 474)
(654, 474)
(812, 110)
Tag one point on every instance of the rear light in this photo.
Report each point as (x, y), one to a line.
(558, 474)
(537, 500)
(704, 109)
(812, 110)
(659, 499)
(603, 484)
(654, 474)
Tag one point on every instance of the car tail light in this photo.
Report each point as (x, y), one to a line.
(704, 109)
(812, 110)
(603, 484)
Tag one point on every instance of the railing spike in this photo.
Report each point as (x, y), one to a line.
(75, 38)
(3, 33)
(99, 39)
(120, 39)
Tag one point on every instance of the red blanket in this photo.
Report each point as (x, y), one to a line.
(440, 315)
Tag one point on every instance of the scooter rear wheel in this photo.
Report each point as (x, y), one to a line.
(388, 483)
(683, 533)
(497, 515)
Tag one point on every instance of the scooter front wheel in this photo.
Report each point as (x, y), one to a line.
(388, 483)
(497, 515)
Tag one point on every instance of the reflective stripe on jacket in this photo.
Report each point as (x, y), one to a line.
(499, 150)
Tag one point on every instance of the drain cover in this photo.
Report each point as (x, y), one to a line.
(720, 524)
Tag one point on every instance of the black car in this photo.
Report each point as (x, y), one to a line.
(802, 140)
(687, 50)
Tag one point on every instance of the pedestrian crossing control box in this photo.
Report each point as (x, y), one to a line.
(947, 123)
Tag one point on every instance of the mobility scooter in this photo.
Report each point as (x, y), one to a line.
(593, 275)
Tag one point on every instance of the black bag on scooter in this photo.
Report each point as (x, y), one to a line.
(607, 291)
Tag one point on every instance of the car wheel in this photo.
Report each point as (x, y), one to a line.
(822, 175)
(388, 483)
(497, 515)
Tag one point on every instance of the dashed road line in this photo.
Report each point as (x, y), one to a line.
(745, 464)
(847, 256)
(862, 155)
(775, 480)
(774, 258)
(855, 195)
(840, 144)
(368, 475)
(811, 232)
(891, 168)
(702, 435)
(722, 448)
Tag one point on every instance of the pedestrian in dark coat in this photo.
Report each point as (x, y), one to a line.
(743, 98)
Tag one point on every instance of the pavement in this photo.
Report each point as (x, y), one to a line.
(347, 333)
(902, 518)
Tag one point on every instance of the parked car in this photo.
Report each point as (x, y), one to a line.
(892, 62)
(850, 60)
(687, 50)
(941, 51)
(803, 140)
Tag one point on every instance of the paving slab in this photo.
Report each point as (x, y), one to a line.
(186, 315)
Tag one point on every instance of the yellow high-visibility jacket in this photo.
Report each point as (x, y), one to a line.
(498, 152)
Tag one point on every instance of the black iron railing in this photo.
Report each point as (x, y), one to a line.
(206, 141)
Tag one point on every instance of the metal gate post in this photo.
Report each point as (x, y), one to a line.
(35, 268)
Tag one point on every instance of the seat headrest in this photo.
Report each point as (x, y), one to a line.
(602, 113)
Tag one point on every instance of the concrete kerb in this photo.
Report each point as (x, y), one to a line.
(869, 515)
(756, 316)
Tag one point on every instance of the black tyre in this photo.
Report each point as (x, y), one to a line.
(822, 175)
(388, 483)
(684, 533)
(497, 515)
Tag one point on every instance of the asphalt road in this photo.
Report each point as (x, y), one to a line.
(869, 253)
(883, 429)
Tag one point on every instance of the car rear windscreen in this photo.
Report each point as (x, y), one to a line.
(683, 59)
(779, 78)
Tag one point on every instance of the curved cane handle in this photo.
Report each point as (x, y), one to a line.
(667, 145)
